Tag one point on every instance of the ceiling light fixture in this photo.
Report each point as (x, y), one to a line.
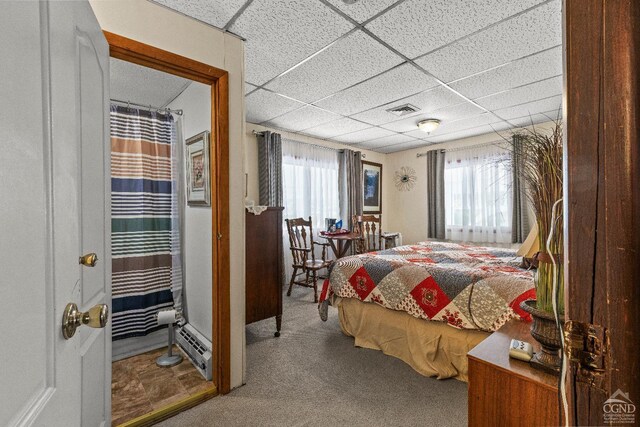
(428, 125)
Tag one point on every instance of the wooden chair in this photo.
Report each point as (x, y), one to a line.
(303, 252)
(372, 238)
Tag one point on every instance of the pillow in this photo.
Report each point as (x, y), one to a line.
(531, 244)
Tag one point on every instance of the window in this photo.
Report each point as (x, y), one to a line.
(310, 182)
(309, 186)
(478, 198)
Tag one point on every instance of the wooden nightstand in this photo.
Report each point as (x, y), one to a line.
(505, 391)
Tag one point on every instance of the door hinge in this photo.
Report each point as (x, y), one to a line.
(587, 350)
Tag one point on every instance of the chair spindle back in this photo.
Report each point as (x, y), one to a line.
(300, 236)
(369, 228)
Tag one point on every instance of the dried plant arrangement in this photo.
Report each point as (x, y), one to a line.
(539, 153)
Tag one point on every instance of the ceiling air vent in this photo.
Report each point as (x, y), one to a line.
(403, 110)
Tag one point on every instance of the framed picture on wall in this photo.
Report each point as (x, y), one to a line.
(198, 182)
(371, 187)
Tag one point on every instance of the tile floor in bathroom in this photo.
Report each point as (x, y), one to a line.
(139, 386)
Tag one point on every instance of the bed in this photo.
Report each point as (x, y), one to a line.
(429, 303)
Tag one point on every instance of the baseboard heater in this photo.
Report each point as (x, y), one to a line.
(198, 348)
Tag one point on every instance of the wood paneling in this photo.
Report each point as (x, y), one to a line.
(153, 57)
(602, 190)
(505, 391)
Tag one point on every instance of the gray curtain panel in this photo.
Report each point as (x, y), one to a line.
(435, 194)
(350, 181)
(520, 216)
(270, 168)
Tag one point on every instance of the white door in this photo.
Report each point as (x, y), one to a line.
(54, 207)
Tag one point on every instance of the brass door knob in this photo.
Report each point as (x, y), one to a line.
(96, 317)
(89, 260)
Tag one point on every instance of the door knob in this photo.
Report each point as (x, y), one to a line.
(96, 317)
(89, 260)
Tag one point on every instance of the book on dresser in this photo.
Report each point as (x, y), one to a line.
(264, 266)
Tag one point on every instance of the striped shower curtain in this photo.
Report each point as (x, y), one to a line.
(144, 219)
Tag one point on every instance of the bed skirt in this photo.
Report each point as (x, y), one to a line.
(433, 349)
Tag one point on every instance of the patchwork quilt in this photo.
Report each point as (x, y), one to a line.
(468, 287)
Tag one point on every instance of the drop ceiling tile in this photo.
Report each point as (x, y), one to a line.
(435, 99)
(363, 135)
(445, 115)
(546, 116)
(263, 105)
(470, 122)
(216, 13)
(303, 118)
(456, 126)
(526, 34)
(427, 101)
(553, 103)
(248, 87)
(349, 61)
(414, 28)
(456, 112)
(135, 83)
(402, 147)
(417, 133)
(396, 83)
(467, 133)
(522, 94)
(386, 140)
(406, 124)
(279, 34)
(380, 115)
(362, 10)
(517, 73)
(503, 126)
(335, 128)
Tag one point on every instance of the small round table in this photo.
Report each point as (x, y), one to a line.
(340, 243)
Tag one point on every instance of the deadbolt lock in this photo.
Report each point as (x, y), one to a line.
(96, 317)
(89, 260)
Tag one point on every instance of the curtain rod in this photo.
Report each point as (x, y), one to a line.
(484, 144)
(364, 156)
(149, 107)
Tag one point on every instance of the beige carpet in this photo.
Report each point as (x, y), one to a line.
(313, 376)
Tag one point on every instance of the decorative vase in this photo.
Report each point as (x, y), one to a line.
(546, 332)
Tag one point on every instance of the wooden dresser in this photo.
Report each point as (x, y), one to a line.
(264, 267)
(505, 391)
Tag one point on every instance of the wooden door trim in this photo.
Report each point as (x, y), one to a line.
(602, 194)
(149, 56)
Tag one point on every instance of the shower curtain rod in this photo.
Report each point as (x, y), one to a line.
(149, 107)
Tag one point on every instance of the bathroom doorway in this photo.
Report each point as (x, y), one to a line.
(157, 96)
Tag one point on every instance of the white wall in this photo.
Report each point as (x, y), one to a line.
(195, 102)
(158, 26)
(251, 164)
(410, 207)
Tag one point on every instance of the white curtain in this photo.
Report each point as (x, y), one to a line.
(478, 196)
(310, 188)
